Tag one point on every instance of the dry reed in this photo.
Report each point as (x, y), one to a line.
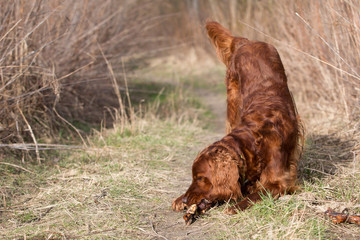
(55, 57)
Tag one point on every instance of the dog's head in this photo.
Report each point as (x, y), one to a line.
(215, 175)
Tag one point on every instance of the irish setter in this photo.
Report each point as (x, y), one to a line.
(260, 152)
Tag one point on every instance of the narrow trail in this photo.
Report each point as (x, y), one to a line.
(167, 224)
(216, 103)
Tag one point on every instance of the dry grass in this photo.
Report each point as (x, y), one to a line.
(55, 58)
(114, 189)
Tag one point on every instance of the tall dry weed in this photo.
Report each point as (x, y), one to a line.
(55, 57)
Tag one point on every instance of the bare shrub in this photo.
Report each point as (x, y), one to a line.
(55, 57)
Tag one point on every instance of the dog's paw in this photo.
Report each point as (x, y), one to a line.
(177, 205)
(230, 211)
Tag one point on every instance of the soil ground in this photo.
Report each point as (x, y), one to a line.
(167, 224)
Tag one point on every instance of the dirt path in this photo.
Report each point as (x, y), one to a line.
(216, 103)
(167, 224)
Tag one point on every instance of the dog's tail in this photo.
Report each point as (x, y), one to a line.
(222, 39)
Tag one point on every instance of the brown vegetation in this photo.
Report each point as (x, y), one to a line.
(57, 60)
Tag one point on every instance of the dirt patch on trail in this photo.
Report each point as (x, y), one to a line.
(216, 103)
(162, 222)
(123, 191)
(166, 224)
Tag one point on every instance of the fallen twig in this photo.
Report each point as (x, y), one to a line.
(32, 135)
(16, 166)
(342, 217)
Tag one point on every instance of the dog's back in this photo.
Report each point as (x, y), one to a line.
(258, 96)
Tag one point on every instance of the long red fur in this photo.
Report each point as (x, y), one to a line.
(262, 147)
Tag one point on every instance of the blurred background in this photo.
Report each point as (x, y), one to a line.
(69, 66)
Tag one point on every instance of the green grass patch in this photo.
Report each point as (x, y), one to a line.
(273, 219)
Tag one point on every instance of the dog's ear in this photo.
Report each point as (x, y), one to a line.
(222, 39)
(225, 175)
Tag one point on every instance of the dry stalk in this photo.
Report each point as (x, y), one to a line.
(131, 110)
(336, 52)
(32, 135)
(16, 166)
(123, 118)
(71, 125)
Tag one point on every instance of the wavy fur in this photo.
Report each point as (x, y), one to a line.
(264, 137)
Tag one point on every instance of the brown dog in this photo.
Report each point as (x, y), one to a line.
(260, 153)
